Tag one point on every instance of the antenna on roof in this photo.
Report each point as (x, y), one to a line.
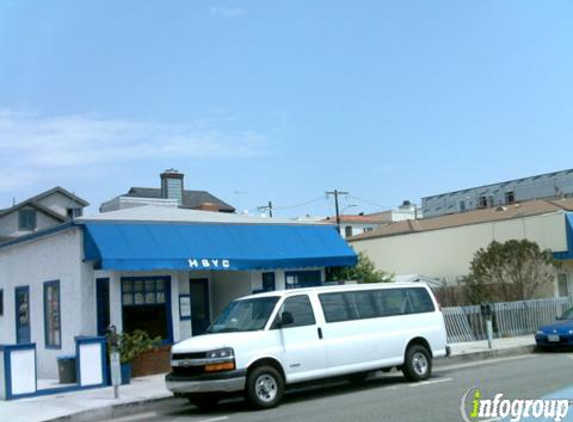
(13, 201)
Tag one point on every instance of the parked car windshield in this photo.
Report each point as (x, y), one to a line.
(568, 314)
(244, 315)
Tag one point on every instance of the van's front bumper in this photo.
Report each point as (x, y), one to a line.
(224, 382)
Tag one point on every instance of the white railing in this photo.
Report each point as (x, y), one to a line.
(510, 319)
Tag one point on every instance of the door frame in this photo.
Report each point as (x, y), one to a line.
(17, 290)
(101, 283)
(206, 299)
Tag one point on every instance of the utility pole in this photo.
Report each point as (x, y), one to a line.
(268, 208)
(336, 192)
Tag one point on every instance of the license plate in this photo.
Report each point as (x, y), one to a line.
(553, 338)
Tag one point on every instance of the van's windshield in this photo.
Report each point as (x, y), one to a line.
(244, 315)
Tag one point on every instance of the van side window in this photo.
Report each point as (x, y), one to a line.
(366, 304)
(421, 300)
(301, 311)
(334, 307)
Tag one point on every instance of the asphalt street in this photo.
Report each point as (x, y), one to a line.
(389, 397)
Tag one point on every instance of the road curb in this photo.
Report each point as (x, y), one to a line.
(140, 405)
(485, 355)
(112, 411)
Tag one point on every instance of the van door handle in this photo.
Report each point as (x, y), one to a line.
(319, 333)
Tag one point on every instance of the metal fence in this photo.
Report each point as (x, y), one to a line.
(466, 323)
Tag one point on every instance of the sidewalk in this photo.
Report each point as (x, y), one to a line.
(100, 404)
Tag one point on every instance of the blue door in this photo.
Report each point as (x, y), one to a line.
(23, 315)
(200, 310)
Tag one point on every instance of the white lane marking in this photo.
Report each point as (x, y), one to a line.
(137, 417)
(481, 362)
(222, 418)
(419, 384)
(189, 419)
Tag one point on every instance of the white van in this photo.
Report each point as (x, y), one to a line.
(261, 343)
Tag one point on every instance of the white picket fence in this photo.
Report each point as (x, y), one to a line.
(466, 323)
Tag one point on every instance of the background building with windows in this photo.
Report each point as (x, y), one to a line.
(45, 210)
(443, 247)
(165, 270)
(171, 193)
(550, 185)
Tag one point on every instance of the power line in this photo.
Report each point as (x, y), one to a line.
(312, 201)
(370, 202)
(336, 193)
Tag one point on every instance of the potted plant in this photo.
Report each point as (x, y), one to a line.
(131, 345)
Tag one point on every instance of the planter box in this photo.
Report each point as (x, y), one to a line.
(151, 363)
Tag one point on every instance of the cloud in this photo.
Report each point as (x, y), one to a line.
(32, 146)
(229, 11)
(227, 8)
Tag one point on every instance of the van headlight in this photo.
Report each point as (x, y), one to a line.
(225, 353)
(540, 332)
(220, 360)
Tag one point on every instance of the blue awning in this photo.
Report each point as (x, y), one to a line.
(568, 254)
(131, 246)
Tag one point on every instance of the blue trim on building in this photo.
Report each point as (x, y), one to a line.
(102, 305)
(168, 304)
(47, 285)
(7, 349)
(40, 234)
(81, 340)
(26, 289)
(563, 256)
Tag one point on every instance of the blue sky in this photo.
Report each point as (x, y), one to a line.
(283, 99)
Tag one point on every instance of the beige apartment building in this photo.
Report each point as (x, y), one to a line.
(443, 247)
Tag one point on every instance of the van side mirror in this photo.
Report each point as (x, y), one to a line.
(286, 319)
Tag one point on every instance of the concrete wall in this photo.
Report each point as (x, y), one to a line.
(447, 253)
(55, 257)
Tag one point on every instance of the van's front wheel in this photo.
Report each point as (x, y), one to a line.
(265, 387)
(418, 363)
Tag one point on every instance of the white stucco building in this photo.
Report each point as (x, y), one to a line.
(443, 247)
(165, 270)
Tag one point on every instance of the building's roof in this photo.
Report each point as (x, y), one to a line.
(34, 202)
(151, 213)
(506, 212)
(357, 219)
(507, 182)
(191, 198)
(30, 203)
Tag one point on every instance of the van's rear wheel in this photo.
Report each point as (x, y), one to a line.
(418, 363)
(265, 387)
